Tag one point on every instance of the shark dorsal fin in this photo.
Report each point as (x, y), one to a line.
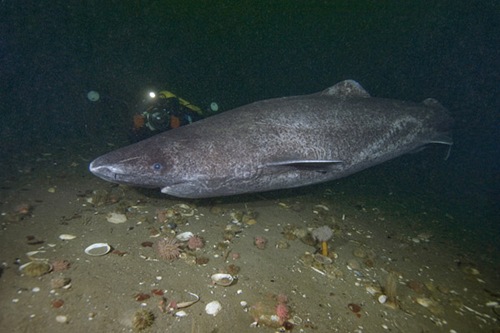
(346, 89)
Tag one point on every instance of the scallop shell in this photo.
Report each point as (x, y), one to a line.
(213, 308)
(222, 279)
(184, 236)
(98, 249)
(35, 268)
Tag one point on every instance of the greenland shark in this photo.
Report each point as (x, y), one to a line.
(278, 143)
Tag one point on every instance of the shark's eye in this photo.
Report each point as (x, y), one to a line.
(157, 166)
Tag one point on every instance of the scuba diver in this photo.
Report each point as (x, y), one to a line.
(165, 111)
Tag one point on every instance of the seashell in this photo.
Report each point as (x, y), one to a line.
(184, 236)
(251, 221)
(213, 308)
(325, 208)
(181, 314)
(222, 279)
(184, 210)
(66, 237)
(116, 218)
(182, 305)
(284, 205)
(373, 290)
(62, 319)
(35, 268)
(236, 217)
(98, 249)
(60, 282)
(31, 255)
(425, 302)
(324, 260)
(382, 299)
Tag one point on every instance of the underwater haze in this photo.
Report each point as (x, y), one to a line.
(430, 223)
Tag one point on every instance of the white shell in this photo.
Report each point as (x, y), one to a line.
(32, 255)
(184, 236)
(372, 290)
(98, 249)
(425, 302)
(67, 237)
(222, 279)
(382, 299)
(213, 308)
(116, 218)
(181, 313)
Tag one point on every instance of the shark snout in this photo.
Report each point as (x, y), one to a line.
(103, 170)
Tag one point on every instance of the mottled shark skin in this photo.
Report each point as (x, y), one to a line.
(278, 143)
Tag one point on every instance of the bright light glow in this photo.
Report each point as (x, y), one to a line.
(93, 96)
(152, 94)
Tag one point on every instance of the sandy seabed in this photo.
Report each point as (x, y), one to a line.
(383, 244)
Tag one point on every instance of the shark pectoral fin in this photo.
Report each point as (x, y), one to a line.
(313, 165)
(444, 140)
(440, 139)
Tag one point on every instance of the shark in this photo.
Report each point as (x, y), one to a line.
(279, 143)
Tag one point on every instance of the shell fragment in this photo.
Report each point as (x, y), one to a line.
(67, 237)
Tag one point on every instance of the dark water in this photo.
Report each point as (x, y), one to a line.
(53, 52)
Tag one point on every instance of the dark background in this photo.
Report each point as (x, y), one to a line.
(235, 52)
